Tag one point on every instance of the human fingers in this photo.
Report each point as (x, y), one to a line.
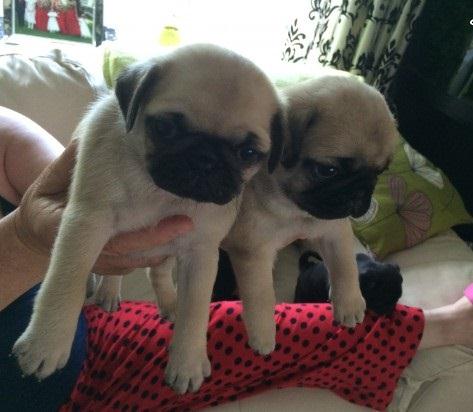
(144, 239)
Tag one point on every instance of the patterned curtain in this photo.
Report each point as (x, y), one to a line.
(365, 37)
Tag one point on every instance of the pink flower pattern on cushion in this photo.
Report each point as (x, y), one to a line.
(414, 209)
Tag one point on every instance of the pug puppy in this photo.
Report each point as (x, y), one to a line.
(342, 136)
(380, 283)
(182, 134)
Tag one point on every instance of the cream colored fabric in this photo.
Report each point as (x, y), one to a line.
(51, 89)
(438, 380)
(296, 400)
(436, 271)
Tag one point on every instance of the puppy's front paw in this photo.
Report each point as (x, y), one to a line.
(41, 352)
(186, 369)
(262, 338)
(348, 307)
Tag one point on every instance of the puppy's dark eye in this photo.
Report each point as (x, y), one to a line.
(325, 171)
(165, 128)
(167, 125)
(248, 154)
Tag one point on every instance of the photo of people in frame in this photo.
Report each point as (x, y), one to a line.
(73, 20)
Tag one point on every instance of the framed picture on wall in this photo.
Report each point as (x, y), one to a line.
(69, 20)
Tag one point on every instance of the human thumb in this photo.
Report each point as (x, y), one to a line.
(56, 178)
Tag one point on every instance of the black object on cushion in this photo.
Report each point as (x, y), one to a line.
(380, 283)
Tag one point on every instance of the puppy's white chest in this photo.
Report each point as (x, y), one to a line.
(300, 229)
(210, 222)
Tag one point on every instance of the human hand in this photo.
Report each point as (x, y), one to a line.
(39, 214)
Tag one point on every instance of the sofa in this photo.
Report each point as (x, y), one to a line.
(54, 89)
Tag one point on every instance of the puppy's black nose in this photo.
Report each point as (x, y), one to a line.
(360, 204)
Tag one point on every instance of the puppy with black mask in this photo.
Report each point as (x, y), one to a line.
(341, 137)
(181, 135)
(380, 283)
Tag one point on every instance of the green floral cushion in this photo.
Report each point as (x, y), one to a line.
(413, 201)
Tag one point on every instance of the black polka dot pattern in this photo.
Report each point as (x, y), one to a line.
(127, 356)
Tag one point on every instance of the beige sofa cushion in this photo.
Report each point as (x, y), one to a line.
(436, 271)
(51, 89)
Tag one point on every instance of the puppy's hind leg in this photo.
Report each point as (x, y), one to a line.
(108, 293)
(164, 287)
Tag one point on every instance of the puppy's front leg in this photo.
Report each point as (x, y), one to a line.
(46, 343)
(254, 275)
(188, 362)
(337, 249)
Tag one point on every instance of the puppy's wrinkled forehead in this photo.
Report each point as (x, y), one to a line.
(350, 120)
(217, 90)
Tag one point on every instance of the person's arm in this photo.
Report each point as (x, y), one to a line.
(23, 265)
(20, 267)
(25, 150)
(27, 234)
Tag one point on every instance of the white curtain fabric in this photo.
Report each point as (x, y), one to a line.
(365, 37)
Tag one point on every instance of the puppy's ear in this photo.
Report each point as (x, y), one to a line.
(133, 89)
(299, 120)
(278, 133)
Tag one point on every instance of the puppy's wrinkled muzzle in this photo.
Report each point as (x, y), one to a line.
(338, 201)
(204, 172)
